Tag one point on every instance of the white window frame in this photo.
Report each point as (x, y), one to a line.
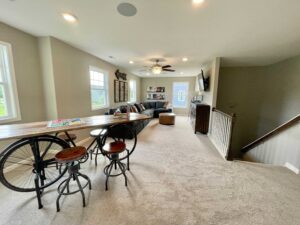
(106, 87)
(132, 90)
(187, 95)
(10, 88)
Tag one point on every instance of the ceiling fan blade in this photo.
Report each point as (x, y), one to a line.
(169, 70)
(166, 66)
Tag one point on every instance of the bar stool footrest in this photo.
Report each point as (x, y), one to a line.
(66, 192)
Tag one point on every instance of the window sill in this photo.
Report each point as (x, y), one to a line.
(100, 108)
(179, 107)
(10, 120)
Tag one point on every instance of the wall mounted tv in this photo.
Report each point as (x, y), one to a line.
(203, 82)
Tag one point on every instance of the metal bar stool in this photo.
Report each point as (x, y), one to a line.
(70, 157)
(112, 151)
(125, 133)
(97, 134)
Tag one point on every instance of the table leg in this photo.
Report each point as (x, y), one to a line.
(67, 134)
(38, 191)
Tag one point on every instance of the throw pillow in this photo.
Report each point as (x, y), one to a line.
(139, 108)
(123, 108)
(166, 104)
(111, 111)
(134, 109)
(143, 107)
(131, 109)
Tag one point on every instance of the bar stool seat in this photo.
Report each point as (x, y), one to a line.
(70, 154)
(112, 150)
(114, 147)
(71, 158)
(97, 134)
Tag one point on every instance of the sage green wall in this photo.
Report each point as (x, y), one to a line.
(167, 82)
(281, 99)
(27, 71)
(262, 97)
(241, 91)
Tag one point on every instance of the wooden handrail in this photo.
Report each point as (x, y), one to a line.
(271, 133)
(225, 114)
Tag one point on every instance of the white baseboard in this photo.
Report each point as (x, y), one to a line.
(291, 167)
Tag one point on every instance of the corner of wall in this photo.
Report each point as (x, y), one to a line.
(45, 53)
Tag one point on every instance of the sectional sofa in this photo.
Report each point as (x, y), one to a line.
(152, 109)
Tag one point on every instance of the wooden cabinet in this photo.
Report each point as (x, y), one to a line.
(199, 117)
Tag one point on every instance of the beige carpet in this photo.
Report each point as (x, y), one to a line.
(176, 177)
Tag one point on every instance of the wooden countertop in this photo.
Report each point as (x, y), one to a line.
(16, 131)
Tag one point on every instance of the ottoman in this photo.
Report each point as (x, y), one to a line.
(167, 118)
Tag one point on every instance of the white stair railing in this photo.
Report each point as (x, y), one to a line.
(221, 131)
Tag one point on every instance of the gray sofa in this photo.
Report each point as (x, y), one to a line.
(153, 109)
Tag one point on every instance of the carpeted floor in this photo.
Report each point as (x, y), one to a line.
(176, 177)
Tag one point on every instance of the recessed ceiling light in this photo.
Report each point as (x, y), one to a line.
(181, 73)
(69, 17)
(198, 1)
(131, 62)
(185, 59)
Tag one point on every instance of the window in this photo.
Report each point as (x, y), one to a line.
(9, 104)
(132, 91)
(99, 88)
(180, 94)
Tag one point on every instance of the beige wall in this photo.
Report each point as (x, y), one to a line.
(167, 82)
(53, 77)
(72, 84)
(48, 77)
(211, 70)
(262, 97)
(27, 71)
(70, 92)
(28, 74)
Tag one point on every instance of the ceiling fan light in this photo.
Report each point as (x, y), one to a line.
(156, 69)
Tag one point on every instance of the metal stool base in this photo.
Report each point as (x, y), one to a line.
(94, 150)
(63, 188)
(115, 162)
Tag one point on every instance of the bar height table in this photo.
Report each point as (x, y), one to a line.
(32, 150)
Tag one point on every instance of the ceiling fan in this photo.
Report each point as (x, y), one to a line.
(158, 68)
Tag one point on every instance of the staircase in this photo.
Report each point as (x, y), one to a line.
(279, 147)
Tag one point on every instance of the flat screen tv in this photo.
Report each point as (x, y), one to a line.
(203, 82)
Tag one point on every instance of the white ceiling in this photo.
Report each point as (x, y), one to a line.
(244, 33)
